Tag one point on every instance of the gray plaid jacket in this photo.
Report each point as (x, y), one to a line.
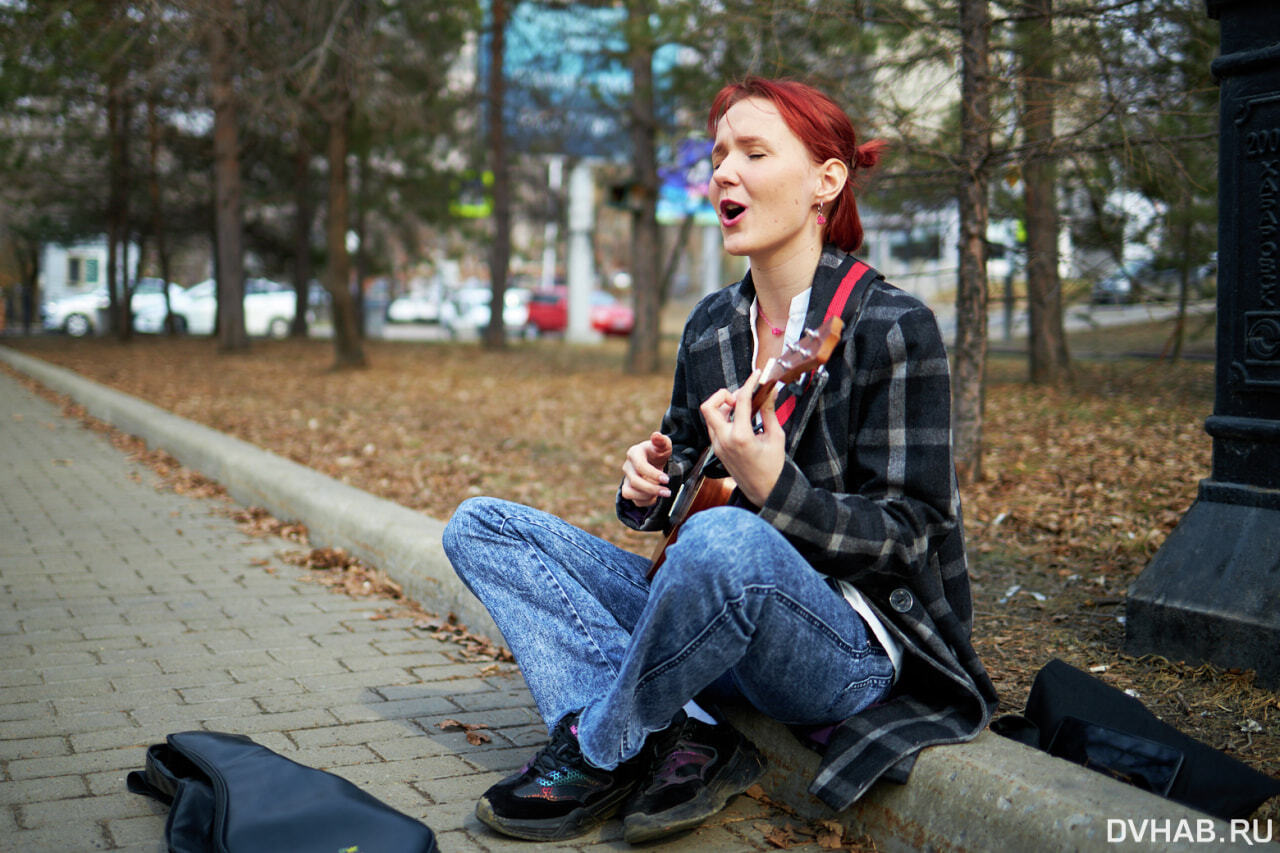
(868, 495)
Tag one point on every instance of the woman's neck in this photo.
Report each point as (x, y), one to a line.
(778, 280)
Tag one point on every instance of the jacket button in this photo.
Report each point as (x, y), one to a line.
(901, 600)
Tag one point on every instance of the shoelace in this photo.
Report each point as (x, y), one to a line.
(682, 762)
(561, 750)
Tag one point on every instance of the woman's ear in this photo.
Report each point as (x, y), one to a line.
(832, 176)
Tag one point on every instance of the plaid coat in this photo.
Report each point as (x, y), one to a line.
(868, 494)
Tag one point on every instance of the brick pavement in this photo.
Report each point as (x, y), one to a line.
(131, 612)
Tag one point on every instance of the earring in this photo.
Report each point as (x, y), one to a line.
(822, 220)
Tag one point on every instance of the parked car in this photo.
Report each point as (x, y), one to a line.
(414, 308)
(611, 316)
(268, 309)
(79, 314)
(467, 311)
(549, 312)
(76, 314)
(1145, 281)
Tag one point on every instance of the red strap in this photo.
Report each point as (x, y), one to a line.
(850, 280)
(834, 309)
(784, 411)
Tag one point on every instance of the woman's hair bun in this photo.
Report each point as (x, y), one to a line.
(868, 153)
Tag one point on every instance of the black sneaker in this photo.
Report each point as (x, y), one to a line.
(558, 794)
(697, 768)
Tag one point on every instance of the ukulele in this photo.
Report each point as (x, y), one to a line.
(699, 492)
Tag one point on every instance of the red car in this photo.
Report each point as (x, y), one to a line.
(549, 312)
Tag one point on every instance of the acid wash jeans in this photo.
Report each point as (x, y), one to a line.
(734, 608)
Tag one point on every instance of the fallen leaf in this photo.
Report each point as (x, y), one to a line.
(429, 623)
(456, 725)
(829, 839)
(781, 837)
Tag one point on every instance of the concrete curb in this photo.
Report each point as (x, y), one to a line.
(994, 794)
(990, 794)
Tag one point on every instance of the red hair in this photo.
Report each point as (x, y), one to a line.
(825, 131)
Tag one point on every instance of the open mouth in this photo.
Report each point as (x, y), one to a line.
(731, 211)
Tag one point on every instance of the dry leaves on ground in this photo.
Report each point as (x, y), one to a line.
(475, 736)
(826, 834)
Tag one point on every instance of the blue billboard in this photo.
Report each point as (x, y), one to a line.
(567, 79)
(684, 184)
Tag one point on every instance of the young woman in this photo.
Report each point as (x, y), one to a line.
(833, 590)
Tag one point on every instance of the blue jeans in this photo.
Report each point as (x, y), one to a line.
(735, 608)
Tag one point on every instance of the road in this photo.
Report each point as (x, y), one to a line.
(1079, 317)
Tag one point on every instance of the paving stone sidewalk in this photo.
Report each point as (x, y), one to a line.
(130, 612)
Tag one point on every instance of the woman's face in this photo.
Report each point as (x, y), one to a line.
(764, 184)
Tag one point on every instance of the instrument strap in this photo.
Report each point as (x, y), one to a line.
(852, 278)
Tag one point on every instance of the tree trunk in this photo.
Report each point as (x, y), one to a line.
(118, 290)
(968, 399)
(143, 238)
(157, 210)
(124, 328)
(301, 234)
(115, 205)
(362, 244)
(642, 349)
(217, 275)
(495, 336)
(27, 251)
(227, 189)
(1178, 336)
(1049, 361)
(348, 350)
(678, 245)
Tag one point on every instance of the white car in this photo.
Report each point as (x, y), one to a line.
(467, 312)
(76, 314)
(79, 314)
(414, 308)
(268, 309)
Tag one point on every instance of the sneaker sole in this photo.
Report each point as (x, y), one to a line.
(577, 822)
(742, 772)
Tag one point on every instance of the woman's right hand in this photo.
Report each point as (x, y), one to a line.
(644, 479)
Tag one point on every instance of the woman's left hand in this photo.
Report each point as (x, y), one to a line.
(754, 460)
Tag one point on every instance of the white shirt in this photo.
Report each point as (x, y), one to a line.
(795, 328)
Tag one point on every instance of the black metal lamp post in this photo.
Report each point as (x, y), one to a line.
(1212, 592)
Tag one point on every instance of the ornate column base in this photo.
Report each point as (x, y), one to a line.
(1212, 592)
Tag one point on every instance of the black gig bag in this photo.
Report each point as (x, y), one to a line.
(227, 794)
(1075, 716)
